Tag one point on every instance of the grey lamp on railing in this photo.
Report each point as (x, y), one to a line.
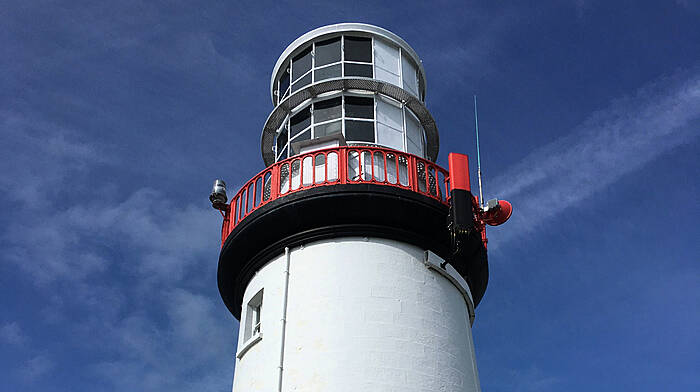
(218, 196)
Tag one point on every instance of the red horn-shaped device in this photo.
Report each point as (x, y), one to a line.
(498, 214)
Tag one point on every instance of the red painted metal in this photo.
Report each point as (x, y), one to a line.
(498, 216)
(344, 165)
(459, 171)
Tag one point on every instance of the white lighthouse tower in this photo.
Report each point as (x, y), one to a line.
(352, 261)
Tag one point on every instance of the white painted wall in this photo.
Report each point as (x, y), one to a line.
(363, 315)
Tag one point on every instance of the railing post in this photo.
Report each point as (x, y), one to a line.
(412, 173)
(274, 181)
(343, 164)
(225, 229)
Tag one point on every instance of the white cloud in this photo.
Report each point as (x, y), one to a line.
(618, 140)
(11, 333)
(36, 367)
(38, 156)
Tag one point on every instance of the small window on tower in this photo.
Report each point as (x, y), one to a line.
(253, 316)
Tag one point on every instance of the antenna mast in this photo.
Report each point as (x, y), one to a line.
(478, 154)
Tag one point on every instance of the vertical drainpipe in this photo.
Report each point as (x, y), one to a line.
(283, 320)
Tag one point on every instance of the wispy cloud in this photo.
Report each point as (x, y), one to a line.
(36, 367)
(11, 333)
(135, 271)
(38, 156)
(137, 267)
(611, 143)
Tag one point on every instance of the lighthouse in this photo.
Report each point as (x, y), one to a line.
(352, 260)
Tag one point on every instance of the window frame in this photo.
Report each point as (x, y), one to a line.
(403, 56)
(310, 105)
(252, 325)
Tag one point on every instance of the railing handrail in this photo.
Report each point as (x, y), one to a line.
(409, 172)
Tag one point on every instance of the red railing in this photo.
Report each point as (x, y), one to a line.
(333, 166)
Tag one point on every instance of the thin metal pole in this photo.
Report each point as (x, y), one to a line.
(478, 154)
(283, 320)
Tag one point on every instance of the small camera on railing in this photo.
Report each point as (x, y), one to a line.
(218, 196)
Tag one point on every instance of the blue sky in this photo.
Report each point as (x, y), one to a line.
(115, 119)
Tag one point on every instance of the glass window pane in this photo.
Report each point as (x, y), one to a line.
(414, 136)
(359, 107)
(358, 49)
(282, 138)
(301, 63)
(381, 74)
(283, 154)
(283, 84)
(389, 137)
(359, 131)
(332, 71)
(300, 121)
(386, 56)
(408, 74)
(327, 110)
(389, 114)
(306, 135)
(305, 81)
(326, 129)
(363, 70)
(421, 88)
(327, 52)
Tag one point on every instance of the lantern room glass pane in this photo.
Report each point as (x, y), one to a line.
(283, 154)
(282, 138)
(386, 56)
(301, 63)
(363, 70)
(283, 84)
(359, 107)
(359, 131)
(414, 136)
(331, 71)
(389, 137)
(329, 128)
(409, 76)
(327, 110)
(381, 74)
(300, 121)
(358, 49)
(386, 62)
(389, 114)
(306, 135)
(305, 81)
(327, 52)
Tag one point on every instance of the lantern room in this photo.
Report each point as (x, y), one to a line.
(348, 84)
